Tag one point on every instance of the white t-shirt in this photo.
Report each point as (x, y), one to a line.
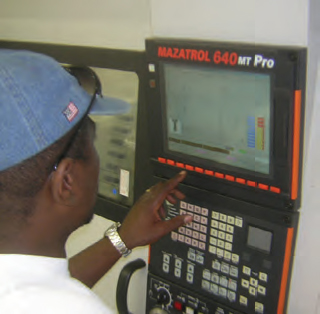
(42, 285)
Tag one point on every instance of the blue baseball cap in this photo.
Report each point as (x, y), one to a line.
(39, 103)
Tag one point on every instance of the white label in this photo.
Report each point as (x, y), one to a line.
(124, 182)
(152, 67)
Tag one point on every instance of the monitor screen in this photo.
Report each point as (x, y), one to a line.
(218, 115)
(259, 239)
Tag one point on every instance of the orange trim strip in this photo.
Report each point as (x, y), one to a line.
(296, 145)
(285, 271)
(220, 175)
(149, 255)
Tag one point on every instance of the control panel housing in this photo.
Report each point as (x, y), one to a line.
(235, 253)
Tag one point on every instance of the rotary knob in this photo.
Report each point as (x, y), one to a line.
(163, 297)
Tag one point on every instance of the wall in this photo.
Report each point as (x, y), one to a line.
(125, 24)
(305, 288)
(113, 24)
(273, 21)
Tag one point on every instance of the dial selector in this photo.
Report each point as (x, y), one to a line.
(163, 296)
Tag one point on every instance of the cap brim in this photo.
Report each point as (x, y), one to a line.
(109, 106)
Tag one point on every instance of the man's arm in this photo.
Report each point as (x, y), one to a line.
(91, 264)
(142, 226)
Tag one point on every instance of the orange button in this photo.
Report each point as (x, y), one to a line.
(252, 183)
(240, 180)
(180, 165)
(263, 186)
(274, 189)
(188, 167)
(162, 160)
(209, 172)
(219, 175)
(229, 178)
(170, 162)
(200, 170)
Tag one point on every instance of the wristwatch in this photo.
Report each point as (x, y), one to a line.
(113, 235)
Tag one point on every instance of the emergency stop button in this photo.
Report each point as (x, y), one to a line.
(178, 306)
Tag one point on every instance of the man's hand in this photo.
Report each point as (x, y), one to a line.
(144, 225)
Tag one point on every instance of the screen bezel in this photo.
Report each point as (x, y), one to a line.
(206, 163)
(289, 79)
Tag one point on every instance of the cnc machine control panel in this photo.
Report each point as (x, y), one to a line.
(226, 254)
(232, 116)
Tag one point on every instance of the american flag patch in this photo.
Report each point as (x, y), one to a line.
(71, 111)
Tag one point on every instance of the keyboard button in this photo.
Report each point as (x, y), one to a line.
(216, 265)
(245, 283)
(246, 270)
(232, 296)
(230, 220)
(223, 217)
(234, 271)
(212, 249)
(235, 258)
(243, 300)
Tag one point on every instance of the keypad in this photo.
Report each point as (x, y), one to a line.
(215, 232)
(254, 284)
(218, 284)
(222, 228)
(195, 233)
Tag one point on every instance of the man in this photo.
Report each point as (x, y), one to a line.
(48, 184)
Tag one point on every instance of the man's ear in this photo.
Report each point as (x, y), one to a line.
(63, 182)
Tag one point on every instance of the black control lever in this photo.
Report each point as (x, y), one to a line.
(123, 284)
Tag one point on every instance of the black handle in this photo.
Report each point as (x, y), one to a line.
(123, 284)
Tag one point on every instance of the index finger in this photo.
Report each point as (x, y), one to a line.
(173, 182)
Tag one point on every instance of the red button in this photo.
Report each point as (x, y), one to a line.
(180, 165)
(188, 167)
(170, 162)
(240, 180)
(252, 183)
(152, 83)
(200, 170)
(178, 306)
(219, 175)
(229, 178)
(209, 172)
(263, 186)
(274, 189)
(162, 160)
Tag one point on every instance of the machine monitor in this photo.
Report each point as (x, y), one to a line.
(230, 114)
(218, 115)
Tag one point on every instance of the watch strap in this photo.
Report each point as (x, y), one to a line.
(113, 235)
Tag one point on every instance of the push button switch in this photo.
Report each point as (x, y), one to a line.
(178, 306)
(171, 162)
(189, 310)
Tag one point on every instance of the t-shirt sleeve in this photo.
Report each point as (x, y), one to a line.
(52, 301)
